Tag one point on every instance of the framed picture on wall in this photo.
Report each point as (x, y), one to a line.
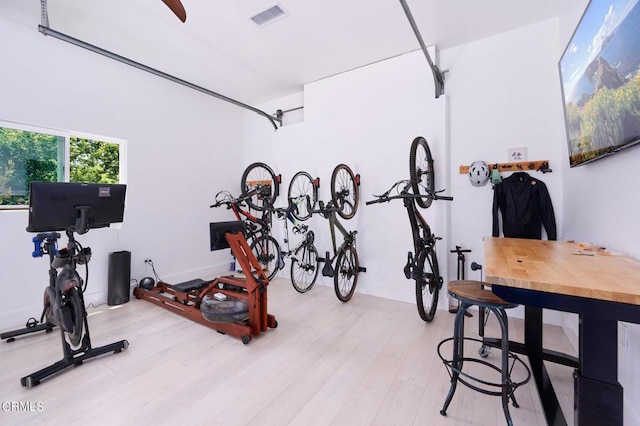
(600, 75)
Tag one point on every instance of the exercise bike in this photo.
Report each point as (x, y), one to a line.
(64, 305)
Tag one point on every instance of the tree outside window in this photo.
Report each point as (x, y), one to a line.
(27, 156)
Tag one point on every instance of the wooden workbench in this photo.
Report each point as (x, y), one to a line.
(601, 288)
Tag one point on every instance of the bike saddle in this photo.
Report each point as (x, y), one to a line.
(409, 267)
(328, 270)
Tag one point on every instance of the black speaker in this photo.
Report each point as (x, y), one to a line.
(119, 277)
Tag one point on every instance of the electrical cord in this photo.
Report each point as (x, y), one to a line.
(155, 274)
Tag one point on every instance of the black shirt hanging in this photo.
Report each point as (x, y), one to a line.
(525, 206)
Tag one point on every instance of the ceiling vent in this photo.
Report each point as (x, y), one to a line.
(270, 15)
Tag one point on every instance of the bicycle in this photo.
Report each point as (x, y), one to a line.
(262, 244)
(422, 263)
(304, 257)
(344, 203)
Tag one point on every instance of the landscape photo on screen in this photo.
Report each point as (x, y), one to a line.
(600, 73)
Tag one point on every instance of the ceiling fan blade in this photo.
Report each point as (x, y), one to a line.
(177, 8)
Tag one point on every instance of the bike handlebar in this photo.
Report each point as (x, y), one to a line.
(282, 212)
(404, 194)
(229, 199)
(324, 210)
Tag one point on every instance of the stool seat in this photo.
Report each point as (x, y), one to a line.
(474, 293)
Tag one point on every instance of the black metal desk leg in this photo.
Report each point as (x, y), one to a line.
(533, 344)
(598, 398)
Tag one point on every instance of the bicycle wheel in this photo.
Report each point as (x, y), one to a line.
(267, 251)
(259, 176)
(427, 284)
(304, 267)
(344, 191)
(346, 276)
(302, 188)
(421, 171)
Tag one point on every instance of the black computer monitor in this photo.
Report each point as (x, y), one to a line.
(62, 206)
(218, 230)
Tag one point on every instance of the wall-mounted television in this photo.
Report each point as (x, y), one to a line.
(600, 75)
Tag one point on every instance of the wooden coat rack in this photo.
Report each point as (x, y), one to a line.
(518, 166)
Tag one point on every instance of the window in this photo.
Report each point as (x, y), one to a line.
(30, 153)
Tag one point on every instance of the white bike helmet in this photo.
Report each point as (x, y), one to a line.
(479, 173)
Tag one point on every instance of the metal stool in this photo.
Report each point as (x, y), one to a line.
(471, 293)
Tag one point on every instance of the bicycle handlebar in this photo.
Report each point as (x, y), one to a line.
(404, 194)
(282, 212)
(386, 198)
(229, 199)
(324, 210)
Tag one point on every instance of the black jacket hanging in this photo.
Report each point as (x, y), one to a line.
(525, 206)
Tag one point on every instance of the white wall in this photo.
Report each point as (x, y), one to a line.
(601, 207)
(496, 88)
(367, 119)
(502, 92)
(181, 147)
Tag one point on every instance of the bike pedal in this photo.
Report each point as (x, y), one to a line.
(362, 269)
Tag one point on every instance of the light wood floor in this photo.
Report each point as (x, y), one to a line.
(370, 361)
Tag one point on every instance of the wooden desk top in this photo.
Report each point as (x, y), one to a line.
(557, 267)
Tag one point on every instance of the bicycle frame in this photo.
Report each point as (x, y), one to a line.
(421, 233)
(243, 215)
(262, 222)
(287, 216)
(349, 238)
(418, 222)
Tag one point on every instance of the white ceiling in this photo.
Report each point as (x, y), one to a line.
(221, 49)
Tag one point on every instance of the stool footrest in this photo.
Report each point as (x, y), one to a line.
(471, 379)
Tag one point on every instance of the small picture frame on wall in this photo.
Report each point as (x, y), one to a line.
(518, 154)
